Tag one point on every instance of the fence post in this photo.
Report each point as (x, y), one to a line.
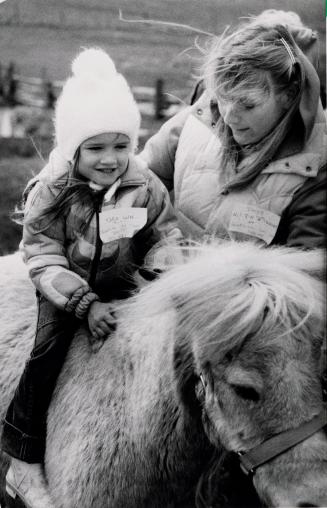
(1, 81)
(323, 96)
(10, 85)
(50, 97)
(160, 103)
(48, 93)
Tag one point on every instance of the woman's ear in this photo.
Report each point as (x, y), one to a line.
(287, 96)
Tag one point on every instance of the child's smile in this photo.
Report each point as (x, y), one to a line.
(104, 158)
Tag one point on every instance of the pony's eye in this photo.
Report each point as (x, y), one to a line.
(246, 392)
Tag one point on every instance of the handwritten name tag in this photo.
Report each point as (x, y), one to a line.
(118, 223)
(255, 222)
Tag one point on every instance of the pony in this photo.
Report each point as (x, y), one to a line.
(218, 355)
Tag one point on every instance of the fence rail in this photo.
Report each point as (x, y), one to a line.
(16, 89)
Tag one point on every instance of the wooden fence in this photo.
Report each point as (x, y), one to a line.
(42, 92)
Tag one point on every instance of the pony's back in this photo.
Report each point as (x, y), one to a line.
(18, 319)
(115, 422)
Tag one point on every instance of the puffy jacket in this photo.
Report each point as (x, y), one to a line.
(285, 204)
(67, 260)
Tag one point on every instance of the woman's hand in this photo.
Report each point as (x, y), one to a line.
(101, 321)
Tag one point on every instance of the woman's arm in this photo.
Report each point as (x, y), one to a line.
(303, 223)
(159, 151)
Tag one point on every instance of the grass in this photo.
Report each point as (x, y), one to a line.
(51, 33)
(14, 174)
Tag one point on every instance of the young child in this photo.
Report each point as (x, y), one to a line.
(91, 217)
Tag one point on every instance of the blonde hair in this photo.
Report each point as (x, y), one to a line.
(254, 56)
(69, 190)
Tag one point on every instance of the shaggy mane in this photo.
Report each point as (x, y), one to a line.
(235, 290)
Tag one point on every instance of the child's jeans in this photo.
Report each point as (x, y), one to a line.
(24, 431)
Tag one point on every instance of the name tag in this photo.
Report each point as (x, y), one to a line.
(255, 222)
(116, 223)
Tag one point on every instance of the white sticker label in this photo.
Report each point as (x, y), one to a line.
(254, 221)
(118, 223)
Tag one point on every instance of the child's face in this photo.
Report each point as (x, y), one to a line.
(104, 158)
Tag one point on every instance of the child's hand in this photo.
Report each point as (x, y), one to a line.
(101, 320)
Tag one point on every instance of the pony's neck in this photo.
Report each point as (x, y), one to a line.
(155, 396)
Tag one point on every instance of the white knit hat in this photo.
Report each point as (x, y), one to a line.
(95, 100)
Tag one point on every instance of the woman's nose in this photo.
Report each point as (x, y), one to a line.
(230, 114)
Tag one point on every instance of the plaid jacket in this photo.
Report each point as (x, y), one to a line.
(68, 262)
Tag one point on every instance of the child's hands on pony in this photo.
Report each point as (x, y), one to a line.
(101, 321)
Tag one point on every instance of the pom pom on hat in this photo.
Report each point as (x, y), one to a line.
(95, 100)
(94, 62)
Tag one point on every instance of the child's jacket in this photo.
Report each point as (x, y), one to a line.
(67, 260)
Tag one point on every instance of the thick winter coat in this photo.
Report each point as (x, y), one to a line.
(67, 259)
(285, 204)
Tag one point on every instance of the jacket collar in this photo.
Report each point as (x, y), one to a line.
(305, 162)
(134, 174)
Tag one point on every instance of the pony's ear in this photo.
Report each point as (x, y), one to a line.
(185, 376)
(184, 363)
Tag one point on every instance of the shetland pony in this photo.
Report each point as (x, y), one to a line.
(219, 354)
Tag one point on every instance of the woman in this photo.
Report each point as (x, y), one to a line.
(248, 159)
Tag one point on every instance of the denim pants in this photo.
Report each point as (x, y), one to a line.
(24, 429)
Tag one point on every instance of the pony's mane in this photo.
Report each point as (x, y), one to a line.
(232, 291)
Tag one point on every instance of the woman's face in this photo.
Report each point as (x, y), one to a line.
(254, 115)
(104, 158)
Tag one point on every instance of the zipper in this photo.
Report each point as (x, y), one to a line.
(98, 242)
(98, 247)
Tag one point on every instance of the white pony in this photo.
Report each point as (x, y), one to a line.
(221, 352)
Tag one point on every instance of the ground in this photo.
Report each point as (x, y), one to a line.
(44, 37)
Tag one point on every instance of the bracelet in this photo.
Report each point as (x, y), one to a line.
(76, 298)
(83, 306)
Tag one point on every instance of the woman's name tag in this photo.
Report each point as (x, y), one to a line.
(116, 223)
(254, 221)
